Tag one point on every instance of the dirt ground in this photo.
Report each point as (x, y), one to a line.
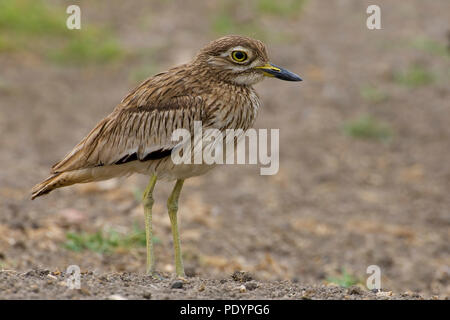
(338, 204)
(43, 284)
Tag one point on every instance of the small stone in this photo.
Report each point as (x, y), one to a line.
(201, 288)
(242, 289)
(52, 277)
(412, 294)
(354, 290)
(116, 297)
(384, 293)
(56, 273)
(177, 285)
(103, 278)
(241, 276)
(251, 286)
(147, 295)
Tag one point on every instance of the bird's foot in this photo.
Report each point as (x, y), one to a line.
(182, 278)
(154, 275)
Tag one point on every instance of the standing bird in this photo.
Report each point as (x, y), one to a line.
(215, 88)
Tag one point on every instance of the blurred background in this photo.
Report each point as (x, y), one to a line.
(364, 141)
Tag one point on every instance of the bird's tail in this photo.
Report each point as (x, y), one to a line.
(56, 180)
(61, 179)
(67, 178)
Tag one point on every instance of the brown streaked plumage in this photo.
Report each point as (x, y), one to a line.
(215, 88)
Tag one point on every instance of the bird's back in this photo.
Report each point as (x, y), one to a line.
(137, 135)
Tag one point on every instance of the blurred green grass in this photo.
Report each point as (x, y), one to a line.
(225, 23)
(283, 8)
(344, 279)
(414, 76)
(373, 94)
(106, 241)
(232, 20)
(368, 127)
(431, 46)
(25, 17)
(87, 47)
(37, 27)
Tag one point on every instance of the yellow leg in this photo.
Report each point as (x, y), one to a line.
(148, 204)
(172, 206)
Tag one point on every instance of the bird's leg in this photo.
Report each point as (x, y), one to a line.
(172, 206)
(148, 204)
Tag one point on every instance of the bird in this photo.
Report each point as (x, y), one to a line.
(215, 87)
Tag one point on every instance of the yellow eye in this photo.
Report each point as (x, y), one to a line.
(239, 56)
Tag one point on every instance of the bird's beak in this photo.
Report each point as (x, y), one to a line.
(271, 70)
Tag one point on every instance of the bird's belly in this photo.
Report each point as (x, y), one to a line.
(240, 119)
(166, 169)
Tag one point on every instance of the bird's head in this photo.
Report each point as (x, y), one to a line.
(240, 60)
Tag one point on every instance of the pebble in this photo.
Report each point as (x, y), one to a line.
(384, 293)
(116, 297)
(201, 288)
(52, 277)
(354, 290)
(241, 276)
(251, 286)
(242, 289)
(147, 295)
(177, 285)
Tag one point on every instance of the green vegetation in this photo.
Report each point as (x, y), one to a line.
(106, 241)
(367, 127)
(23, 22)
(229, 22)
(344, 279)
(224, 23)
(282, 8)
(26, 17)
(87, 47)
(414, 76)
(431, 46)
(373, 94)
(39, 28)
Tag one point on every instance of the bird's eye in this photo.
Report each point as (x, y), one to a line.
(239, 56)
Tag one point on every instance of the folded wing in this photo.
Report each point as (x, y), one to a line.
(134, 133)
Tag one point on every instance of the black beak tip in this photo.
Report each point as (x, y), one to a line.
(289, 76)
(282, 74)
(286, 75)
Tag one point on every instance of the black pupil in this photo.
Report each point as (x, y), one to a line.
(239, 55)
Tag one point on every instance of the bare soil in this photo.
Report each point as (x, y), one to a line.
(337, 205)
(43, 284)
